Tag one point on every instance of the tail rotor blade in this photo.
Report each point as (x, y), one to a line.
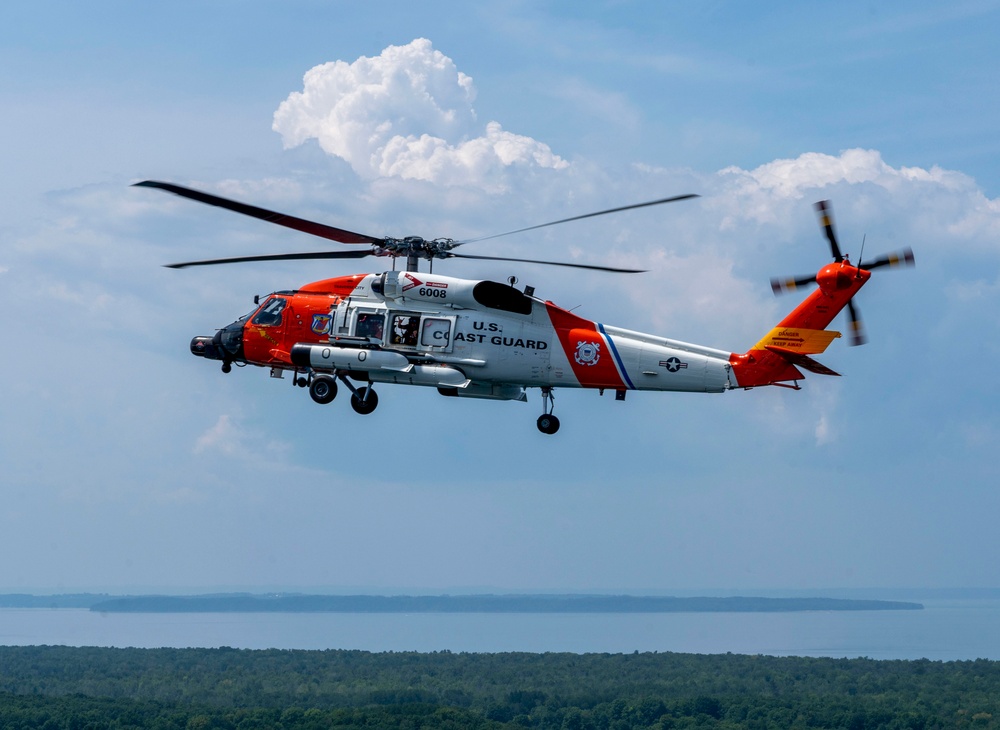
(897, 258)
(855, 325)
(826, 220)
(782, 286)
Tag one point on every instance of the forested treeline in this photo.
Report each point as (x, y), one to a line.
(229, 603)
(63, 687)
(483, 603)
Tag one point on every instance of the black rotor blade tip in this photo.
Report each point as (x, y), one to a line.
(858, 336)
(313, 228)
(310, 256)
(826, 221)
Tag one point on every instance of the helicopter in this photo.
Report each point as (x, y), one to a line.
(489, 340)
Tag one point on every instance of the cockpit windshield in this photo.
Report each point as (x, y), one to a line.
(270, 314)
(246, 317)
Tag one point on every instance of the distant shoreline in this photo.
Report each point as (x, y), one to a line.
(573, 603)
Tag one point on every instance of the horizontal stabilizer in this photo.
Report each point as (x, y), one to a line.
(797, 339)
(803, 361)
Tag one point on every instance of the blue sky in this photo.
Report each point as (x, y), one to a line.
(127, 464)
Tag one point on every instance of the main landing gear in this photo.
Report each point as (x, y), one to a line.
(323, 389)
(364, 400)
(548, 423)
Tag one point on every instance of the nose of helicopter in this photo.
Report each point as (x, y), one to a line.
(203, 346)
(225, 345)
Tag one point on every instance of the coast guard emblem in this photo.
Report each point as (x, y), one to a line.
(321, 324)
(587, 353)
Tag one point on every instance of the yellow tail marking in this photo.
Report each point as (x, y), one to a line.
(798, 339)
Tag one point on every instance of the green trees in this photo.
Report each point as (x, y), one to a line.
(63, 687)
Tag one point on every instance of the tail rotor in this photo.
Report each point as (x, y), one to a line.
(856, 326)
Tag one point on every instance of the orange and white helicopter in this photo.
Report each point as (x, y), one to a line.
(484, 339)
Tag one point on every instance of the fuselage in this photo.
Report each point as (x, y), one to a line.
(471, 337)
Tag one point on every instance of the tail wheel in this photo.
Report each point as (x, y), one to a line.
(323, 389)
(364, 401)
(547, 423)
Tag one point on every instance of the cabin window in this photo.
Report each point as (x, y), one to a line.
(270, 314)
(369, 324)
(405, 326)
(435, 332)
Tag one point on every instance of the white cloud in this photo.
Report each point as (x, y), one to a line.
(754, 192)
(787, 178)
(223, 437)
(248, 445)
(699, 297)
(981, 220)
(406, 113)
(823, 435)
(826, 401)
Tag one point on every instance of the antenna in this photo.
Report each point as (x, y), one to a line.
(861, 256)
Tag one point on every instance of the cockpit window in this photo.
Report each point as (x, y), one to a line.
(270, 314)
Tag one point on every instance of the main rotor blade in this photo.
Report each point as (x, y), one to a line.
(581, 217)
(547, 263)
(898, 258)
(288, 221)
(826, 220)
(276, 257)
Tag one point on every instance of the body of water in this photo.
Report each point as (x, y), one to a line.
(944, 630)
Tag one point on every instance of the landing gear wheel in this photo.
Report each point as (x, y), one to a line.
(323, 389)
(364, 401)
(301, 382)
(547, 423)
(227, 367)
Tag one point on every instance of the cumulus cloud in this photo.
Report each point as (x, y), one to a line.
(757, 194)
(406, 113)
(788, 178)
